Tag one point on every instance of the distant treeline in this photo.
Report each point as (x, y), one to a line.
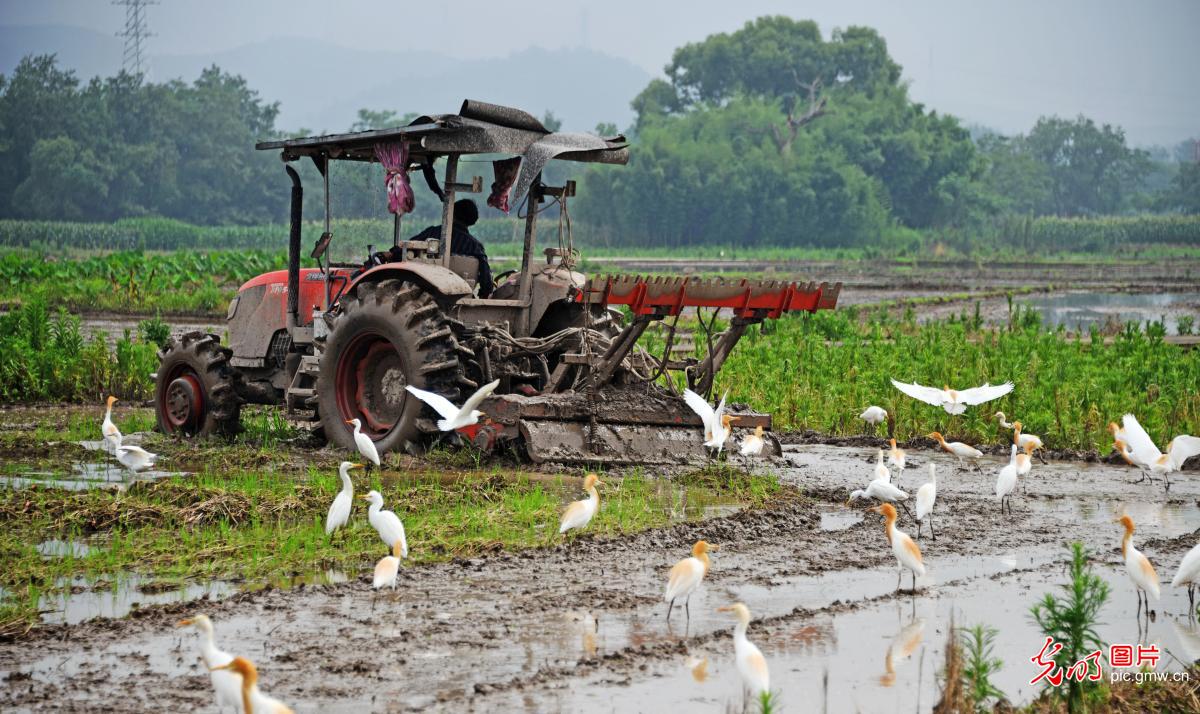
(770, 136)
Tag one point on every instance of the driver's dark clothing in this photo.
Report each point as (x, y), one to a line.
(462, 243)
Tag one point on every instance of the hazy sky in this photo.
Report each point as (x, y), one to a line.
(1001, 63)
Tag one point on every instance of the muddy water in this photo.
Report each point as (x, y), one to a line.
(1078, 311)
(581, 626)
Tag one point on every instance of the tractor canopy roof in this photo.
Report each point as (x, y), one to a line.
(478, 128)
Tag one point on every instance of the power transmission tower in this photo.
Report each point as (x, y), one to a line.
(135, 33)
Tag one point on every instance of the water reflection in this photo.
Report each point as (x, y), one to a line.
(1079, 311)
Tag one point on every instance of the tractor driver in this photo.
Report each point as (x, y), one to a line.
(466, 214)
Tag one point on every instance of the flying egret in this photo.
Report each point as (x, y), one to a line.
(388, 566)
(1181, 448)
(686, 576)
(750, 661)
(896, 456)
(110, 432)
(227, 688)
(882, 491)
(453, 417)
(926, 496)
(908, 555)
(366, 447)
(716, 421)
(579, 513)
(881, 472)
(1189, 574)
(386, 523)
(1141, 572)
(339, 510)
(958, 449)
(874, 416)
(954, 401)
(1006, 481)
(752, 444)
(135, 458)
(253, 700)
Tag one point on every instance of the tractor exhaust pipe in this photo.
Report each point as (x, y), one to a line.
(293, 269)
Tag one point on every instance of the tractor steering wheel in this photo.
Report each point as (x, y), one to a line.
(498, 280)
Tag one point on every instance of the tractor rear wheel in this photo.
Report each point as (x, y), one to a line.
(386, 336)
(194, 392)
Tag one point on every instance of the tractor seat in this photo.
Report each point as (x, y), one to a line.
(466, 267)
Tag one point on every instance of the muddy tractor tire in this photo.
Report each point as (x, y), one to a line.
(194, 392)
(386, 336)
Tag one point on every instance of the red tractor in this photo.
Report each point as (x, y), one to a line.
(341, 341)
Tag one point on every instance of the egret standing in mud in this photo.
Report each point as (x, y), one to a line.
(135, 458)
(896, 458)
(1026, 440)
(1024, 463)
(1145, 453)
(388, 567)
(908, 555)
(716, 421)
(954, 401)
(880, 490)
(366, 447)
(957, 449)
(1141, 572)
(455, 417)
(750, 661)
(579, 513)
(386, 523)
(881, 473)
(926, 496)
(1006, 481)
(874, 416)
(1189, 575)
(339, 510)
(752, 444)
(686, 576)
(225, 684)
(253, 700)
(1123, 449)
(110, 432)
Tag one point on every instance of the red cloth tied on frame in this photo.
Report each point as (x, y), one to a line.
(505, 171)
(394, 158)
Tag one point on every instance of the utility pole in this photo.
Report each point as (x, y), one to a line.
(135, 33)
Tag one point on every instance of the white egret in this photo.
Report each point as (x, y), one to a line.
(135, 458)
(752, 444)
(1022, 439)
(954, 401)
(880, 490)
(881, 472)
(365, 445)
(109, 430)
(1123, 449)
(686, 575)
(874, 416)
(226, 686)
(253, 700)
(386, 523)
(716, 421)
(579, 513)
(1141, 572)
(1006, 481)
(750, 661)
(1181, 448)
(908, 555)
(1189, 575)
(958, 449)
(926, 496)
(896, 456)
(454, 417)
(339, 510)
(388, 566)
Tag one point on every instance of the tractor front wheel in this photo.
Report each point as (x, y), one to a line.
(194, 392)
(385, 336)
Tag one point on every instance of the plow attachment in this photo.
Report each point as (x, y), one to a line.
(608, 417)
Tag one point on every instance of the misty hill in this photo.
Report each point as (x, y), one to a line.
(322, 86)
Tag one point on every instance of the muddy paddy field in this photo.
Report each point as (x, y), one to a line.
(547, 625)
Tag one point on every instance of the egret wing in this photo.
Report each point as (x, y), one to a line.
(929, 395)
(1140, 444)
(701, 406)
(720, 411)
(439, 403)
(1182, 448)
(986, 393)
(480, 394)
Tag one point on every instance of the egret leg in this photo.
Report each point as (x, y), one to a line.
(669, 608)
(931, 531)
(687, 610)
(1192, 599)
(899, 577)
(914, 574)
(918, 530)
(908, 512)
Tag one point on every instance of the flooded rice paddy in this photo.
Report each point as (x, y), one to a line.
(582, 626)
